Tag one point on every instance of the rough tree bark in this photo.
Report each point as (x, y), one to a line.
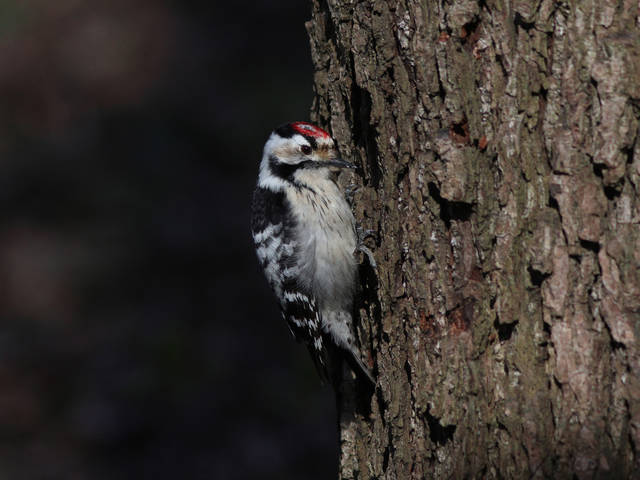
(501, 171)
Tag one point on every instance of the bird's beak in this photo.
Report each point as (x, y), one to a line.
(339, 163)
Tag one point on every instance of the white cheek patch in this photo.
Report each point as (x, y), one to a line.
(287, 150)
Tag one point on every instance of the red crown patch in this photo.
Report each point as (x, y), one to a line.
(305, 128)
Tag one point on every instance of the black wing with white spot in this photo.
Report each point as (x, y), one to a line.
(276, 247)
(300, 310)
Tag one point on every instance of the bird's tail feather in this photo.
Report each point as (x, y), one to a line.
(359, 368)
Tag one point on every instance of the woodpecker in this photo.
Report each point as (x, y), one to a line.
(305, 238)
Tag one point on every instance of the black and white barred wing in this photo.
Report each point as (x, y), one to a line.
(301, 312)
(276, 249)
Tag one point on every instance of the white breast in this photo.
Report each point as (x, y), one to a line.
(326, 241)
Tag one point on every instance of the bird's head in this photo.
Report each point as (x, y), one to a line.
(297, 153)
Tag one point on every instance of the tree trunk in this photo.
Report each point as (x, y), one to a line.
(501, 173)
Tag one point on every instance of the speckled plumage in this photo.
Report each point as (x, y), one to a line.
(305, 238)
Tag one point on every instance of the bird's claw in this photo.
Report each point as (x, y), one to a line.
(372, 261)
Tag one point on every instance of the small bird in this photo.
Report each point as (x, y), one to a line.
(305, 238)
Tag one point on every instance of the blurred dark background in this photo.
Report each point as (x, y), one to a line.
(137, 337)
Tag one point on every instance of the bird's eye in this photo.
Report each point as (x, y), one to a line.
(306, 149)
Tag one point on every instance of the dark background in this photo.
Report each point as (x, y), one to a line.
(137, 337)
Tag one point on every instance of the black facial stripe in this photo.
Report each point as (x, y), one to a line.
(286, 170)
(282, 170)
